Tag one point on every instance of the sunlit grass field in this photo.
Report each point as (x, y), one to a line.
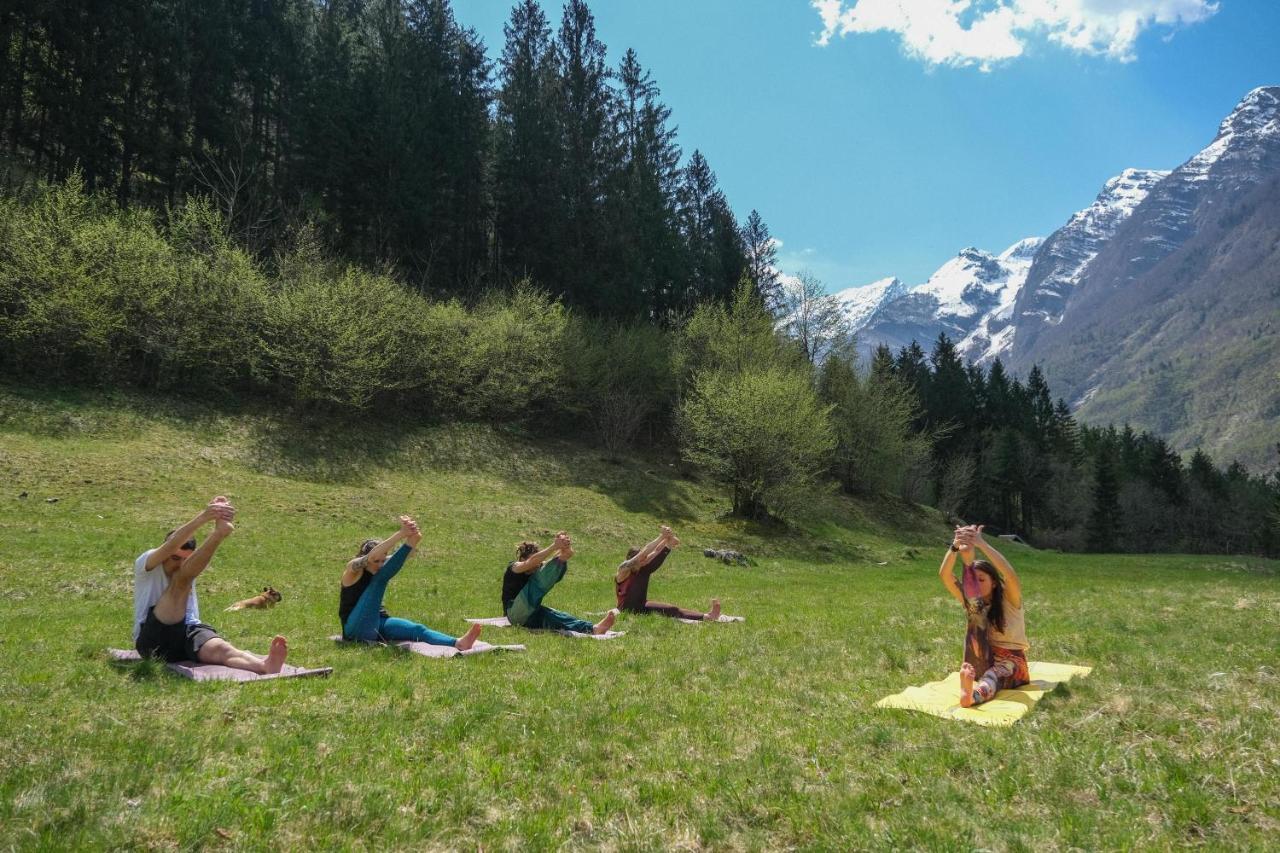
(745, 736)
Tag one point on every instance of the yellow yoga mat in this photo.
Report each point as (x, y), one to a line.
(942, 698)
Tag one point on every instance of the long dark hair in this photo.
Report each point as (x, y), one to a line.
(995, 611)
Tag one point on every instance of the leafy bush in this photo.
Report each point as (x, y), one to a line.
(511, 365)
(89, 293)
(619, 377)
(762, 432)
(876, 446)
(80, 285)
(342, 338)
(737, 337)
(208, 333)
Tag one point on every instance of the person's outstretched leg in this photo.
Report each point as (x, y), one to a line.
(529, 601)
(219, 651)
(402, 630)
(365, 618)
(549, 619)
(677, 612)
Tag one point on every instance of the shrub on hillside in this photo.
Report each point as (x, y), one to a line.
(871, 416)
(80, 285)
(511, 364)
(207, 334)
(342, 338)
(762, 432)
(735, 337)
(619, 378)
(92, 293)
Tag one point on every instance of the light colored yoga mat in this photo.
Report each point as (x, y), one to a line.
(723, 618)
(429, 651)
(215, 672)
(941, 698)
(503, 622)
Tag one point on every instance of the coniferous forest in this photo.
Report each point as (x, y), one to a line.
(387, 127)
(351, 205)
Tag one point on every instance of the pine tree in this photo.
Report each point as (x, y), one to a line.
(713, 245)
(529, 215)
(762, 259)
(1104, 520)
(588, 149)
(641, 203)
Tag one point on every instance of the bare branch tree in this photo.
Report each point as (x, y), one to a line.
(813, 317)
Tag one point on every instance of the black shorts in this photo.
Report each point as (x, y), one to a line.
(172, 643)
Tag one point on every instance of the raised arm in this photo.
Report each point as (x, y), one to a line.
(534, 561)
(218, 508)
(645, 555)
(378, 554)
(946, 573)
(1012, 584)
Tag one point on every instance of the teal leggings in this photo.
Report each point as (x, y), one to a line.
(527, 609)
(366, 622)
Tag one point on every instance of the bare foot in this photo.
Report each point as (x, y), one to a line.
(468, 639)
(275, 658)
(606, 623)
(966, 685)
(565, 553)
(713, 615)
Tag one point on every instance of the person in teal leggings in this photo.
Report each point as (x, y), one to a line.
(364, 583)
(528, 579)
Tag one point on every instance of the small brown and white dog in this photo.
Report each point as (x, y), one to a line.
(265, 600)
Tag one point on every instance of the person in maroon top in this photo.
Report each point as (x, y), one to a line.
(632, 581)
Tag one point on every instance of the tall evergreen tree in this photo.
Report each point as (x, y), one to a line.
(588, 149)
(647, 257)
(529, 214)
(1104, 520)
(762, 259)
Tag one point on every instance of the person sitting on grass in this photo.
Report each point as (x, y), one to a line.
(632, 581)
(364, 583)
(166, 613)
(528, 579)
(992, 598)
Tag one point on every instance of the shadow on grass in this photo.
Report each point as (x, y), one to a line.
(147, 669)
(328, 448)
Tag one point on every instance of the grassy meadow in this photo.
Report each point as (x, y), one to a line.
(744, 736)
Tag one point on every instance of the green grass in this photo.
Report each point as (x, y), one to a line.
(753, 736)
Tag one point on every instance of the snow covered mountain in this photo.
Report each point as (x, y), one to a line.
(861, 303)
(1158, 304)
(1056, 271)
(970, 298)
(1174, 324)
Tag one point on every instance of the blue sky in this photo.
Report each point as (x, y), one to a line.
(890, 148)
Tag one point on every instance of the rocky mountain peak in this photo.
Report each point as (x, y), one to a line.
(1258, 111)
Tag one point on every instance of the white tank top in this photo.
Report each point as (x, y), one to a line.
(1014, 635)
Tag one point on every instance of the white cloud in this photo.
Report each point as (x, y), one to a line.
(984, 32)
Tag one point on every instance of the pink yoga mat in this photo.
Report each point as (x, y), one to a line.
(429, 651)
(214, 672)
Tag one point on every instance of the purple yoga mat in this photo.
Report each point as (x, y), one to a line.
(430, 651)
(215, 672)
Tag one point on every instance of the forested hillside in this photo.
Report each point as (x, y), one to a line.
(389, 129)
